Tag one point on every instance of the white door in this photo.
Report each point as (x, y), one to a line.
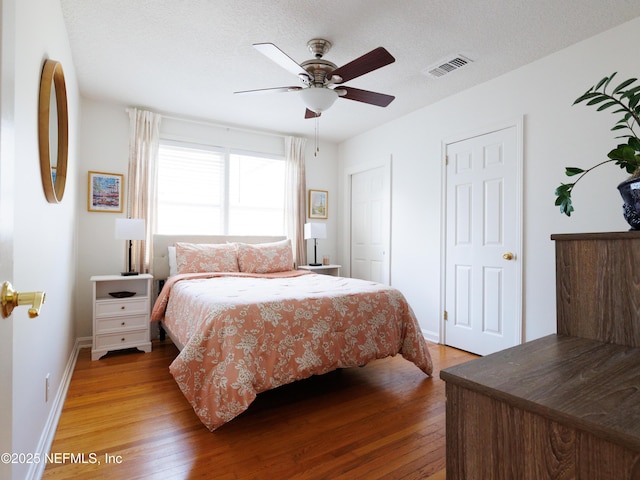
(7, 73)
(483, 307)
(370, 229)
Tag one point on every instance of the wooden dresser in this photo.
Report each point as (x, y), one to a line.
(566, 406)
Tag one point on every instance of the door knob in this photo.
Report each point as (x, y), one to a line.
(9, 299)
(508, 256)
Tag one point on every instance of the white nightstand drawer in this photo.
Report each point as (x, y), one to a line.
(109, 308)
(106, 325)
(121, 323)
(120, 340)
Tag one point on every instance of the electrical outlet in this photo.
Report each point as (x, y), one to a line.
(46, 388)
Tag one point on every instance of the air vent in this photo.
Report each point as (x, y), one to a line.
(446, 66)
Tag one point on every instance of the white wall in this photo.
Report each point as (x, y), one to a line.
(555, 135)
(44, 234)
(104, 148)
(322, 174)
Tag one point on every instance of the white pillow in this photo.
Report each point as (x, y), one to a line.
(173, 262)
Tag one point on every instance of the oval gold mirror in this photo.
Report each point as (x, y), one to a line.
(53, 130)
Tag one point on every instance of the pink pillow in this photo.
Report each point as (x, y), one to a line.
(265, 257)
(203, 257)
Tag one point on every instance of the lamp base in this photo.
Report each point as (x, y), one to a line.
(315, 264)
(128, 274)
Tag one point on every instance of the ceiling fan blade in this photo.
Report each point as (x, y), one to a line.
(368, 62)
(278, 56)
(271, 90)
(366, 96)
(311, 114)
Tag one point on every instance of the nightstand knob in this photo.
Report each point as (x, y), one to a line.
(122, 307)
(123, 324)
(122, 339)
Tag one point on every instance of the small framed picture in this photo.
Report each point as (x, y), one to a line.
(105, 192)
(318, 203)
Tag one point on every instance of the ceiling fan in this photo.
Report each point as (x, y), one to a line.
(322, 81)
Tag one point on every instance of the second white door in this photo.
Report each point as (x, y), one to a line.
(370, 232)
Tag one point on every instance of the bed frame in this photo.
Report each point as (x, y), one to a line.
(160, 258)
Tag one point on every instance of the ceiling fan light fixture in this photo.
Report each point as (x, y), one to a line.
(318, 99)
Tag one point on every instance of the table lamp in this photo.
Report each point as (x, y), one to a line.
(315, 231)
(130, 229)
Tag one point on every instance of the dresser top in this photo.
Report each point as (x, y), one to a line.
(589, 385)
(628, 235)
(109, 278)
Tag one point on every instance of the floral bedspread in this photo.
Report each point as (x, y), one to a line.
(245, 334)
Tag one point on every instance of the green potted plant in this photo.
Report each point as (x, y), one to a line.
(625, 100)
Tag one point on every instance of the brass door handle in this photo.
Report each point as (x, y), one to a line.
(9, 299)
(508, 256)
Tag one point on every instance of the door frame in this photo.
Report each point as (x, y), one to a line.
(518, 124)
(7, 166)
(351, 170)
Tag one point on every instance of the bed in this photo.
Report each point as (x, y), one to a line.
(245, 321)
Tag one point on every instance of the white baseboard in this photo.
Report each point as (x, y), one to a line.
(431, 336)
(48, 433)
(84, 342)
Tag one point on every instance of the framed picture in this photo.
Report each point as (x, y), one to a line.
(105, 192)
(318, 203)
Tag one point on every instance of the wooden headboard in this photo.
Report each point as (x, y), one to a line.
(160, 260)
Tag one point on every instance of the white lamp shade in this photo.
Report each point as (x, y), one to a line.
(315, 230)
(318, 99)
(130, 229)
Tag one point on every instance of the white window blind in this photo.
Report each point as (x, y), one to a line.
(256, 195)
(213, 191)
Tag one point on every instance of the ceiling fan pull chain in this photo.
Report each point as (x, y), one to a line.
(315, 154)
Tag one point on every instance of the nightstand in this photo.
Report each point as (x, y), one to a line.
(322, 269)
(120, 323)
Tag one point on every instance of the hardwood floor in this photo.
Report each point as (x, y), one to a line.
(125, 417)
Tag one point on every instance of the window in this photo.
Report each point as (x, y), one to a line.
(215, 191)
(256, 195)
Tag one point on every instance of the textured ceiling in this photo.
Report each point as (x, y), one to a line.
(187, 57)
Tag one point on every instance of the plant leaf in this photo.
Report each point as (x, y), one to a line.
(571, 171)
(601, 82)
(634, 143)
(566, 206)
(631, 91)
(564, 189)
(609, 81)
(563, 192)
(628, 154)
(607, 105)
(599, 99)
(624, 84)
(586, 96)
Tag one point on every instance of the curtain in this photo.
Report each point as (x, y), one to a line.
(295, 196)
(144, 139)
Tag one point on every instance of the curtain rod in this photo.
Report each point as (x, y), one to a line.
(217, 125)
